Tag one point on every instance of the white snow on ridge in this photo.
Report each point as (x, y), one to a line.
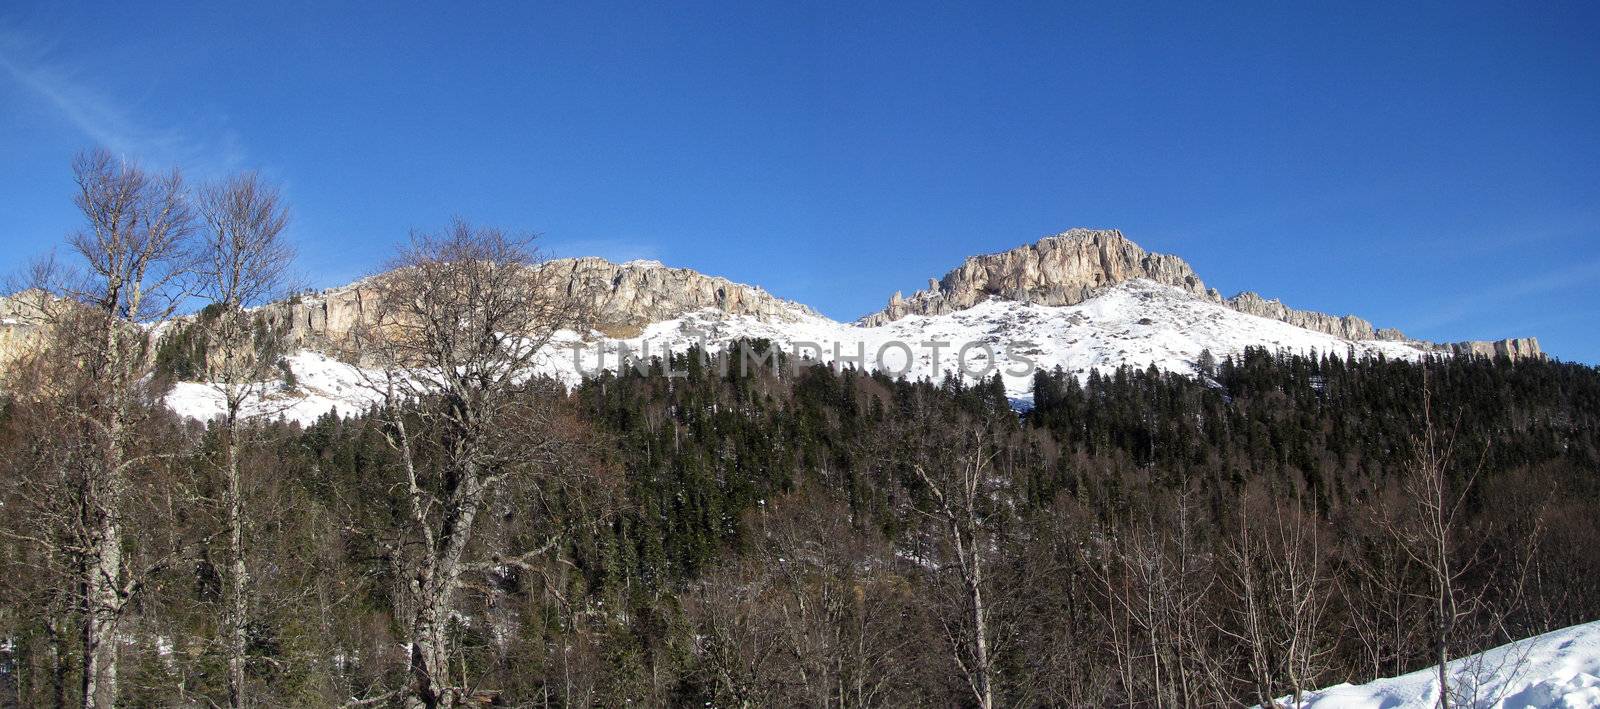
(1557, 670)
(1138, 323)
(321, 385)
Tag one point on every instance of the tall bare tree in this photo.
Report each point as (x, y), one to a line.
(243, 263)
(1274, 570)
(135, 258)
(1432, 537)
(1428, 527)
(956, 469)
(812, 618)
(459, 323)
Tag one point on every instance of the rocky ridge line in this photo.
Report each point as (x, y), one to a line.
(1065, 269)
(1073, 266)
(619, 298)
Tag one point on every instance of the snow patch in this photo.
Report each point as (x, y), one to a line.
(1560, 669)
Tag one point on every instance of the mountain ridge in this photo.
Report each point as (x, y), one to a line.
(622, 300)
(1074, 265)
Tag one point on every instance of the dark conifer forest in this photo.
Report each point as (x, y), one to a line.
(835, 538)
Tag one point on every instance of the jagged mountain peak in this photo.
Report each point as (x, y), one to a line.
(1059, 269)
(635, 293)
(1077, 264)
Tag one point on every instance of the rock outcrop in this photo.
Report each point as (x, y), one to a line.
(1065, 269)
(1071, 267)
(617, 298)
(1514, 348)
(637, 293)
(22, 329)
(1348, 327)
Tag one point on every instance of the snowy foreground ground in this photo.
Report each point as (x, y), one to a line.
(1558, 669)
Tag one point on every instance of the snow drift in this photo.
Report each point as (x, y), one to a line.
(1560, 669)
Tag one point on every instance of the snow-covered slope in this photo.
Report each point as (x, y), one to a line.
(321, 384)
(1138, 323)
(1557, 669)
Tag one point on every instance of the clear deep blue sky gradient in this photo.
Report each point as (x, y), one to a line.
(1434, 168)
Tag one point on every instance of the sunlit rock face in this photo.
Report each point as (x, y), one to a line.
(614, 298)
(1348, 327)
(1077, 264)
(1065, 269)
(1514, 348)
(637, 293)
(621, 300)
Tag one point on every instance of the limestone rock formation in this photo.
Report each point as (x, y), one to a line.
(636, 293)
(21, 327)
(1071, 267)
(619, 299)
(1065, 269)
(1514, 348)
(1348, 327)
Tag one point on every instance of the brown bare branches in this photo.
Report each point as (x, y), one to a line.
(458, 324)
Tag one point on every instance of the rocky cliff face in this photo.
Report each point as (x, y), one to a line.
(1065, 269)
(1347, 327)
(619, 299)
(636, 293)
(21, 328)
(1071, 267)
(1515, 348)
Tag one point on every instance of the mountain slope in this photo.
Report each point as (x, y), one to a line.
(1071, 267)
(1077, 300)
(1138, 323)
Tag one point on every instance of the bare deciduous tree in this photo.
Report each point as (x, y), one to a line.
(812, 617)
(1427, 528)
(135, 256)
(958, 475)
(1274, 570)
(1153, 581)
(459, 323)
(243, 264)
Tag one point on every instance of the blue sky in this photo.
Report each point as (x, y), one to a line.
(1431, 167)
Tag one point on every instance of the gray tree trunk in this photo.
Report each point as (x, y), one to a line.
(238, 603)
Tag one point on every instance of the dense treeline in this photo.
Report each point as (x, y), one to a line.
(766, 539)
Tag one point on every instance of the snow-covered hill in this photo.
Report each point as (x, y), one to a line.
(1560, 669)
(1138, 323)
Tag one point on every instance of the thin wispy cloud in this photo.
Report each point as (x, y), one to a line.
(1582, 274)
(65, 90)
(1534, 229)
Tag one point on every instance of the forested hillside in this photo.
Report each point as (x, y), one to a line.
(702, 532)
(833, 538)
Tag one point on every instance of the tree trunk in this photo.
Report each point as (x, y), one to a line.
(980, 628)
(239, 576)
(101, 606)
(59, 664)
(430, 651)
(430, 644)
(102, 602)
